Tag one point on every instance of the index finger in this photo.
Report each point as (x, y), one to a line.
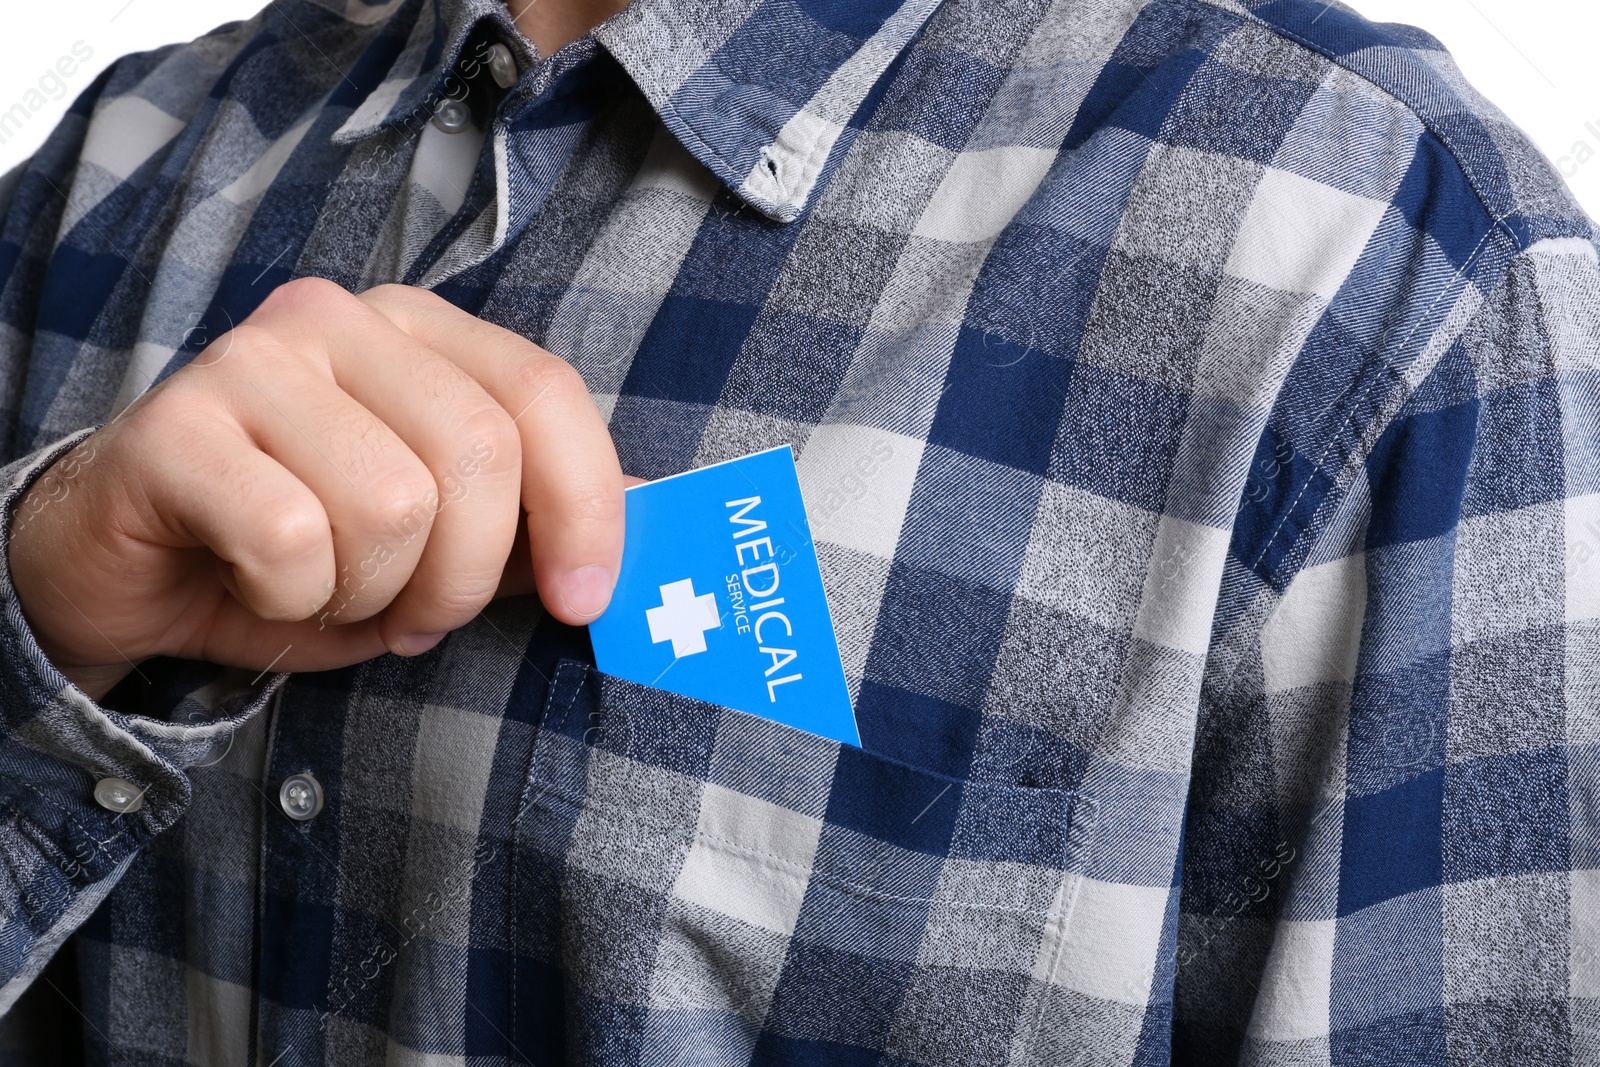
(571, 480)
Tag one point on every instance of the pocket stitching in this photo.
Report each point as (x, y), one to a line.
(618, 816)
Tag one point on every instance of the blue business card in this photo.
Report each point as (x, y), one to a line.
(720, 597)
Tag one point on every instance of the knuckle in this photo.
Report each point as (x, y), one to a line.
(542, 379)
(490, 435)
(403, 502)
(306, 294)
(287, 534)
(440, 379)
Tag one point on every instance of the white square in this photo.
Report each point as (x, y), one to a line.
(1583, 961)
(1301, 236)
(751, 860)
(125, 133)
(982, 192)
(1293, 1003)
(1314, 633)
(1583, 558)
(857, 483)
(1111, 939)
(1180, 586)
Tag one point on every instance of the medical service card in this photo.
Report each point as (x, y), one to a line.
(720, 597)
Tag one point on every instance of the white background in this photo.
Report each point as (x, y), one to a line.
(1534, 58)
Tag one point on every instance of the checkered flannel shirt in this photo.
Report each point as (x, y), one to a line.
(1198, 411)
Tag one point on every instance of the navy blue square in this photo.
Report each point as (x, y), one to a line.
(1148, 70)
(1018, 754)
(1034, 267)
(842, 998)
(1339, 31)
(689, 348)
(920, 730)
(1391, 843)
(70, 310)
(857, 19)
(891, 802)
(1241, 847)
(1001, 402)
(1416, 1039)
(1282, 492)
(1418, 472)
(1506, 815)
(775, 1050)
(968, 86)
(970, 518)
(791, 366)
(296, 947)
(1437, 199)
(1118, 436)
(537, 1012)
(937, 636)
(1520, 431)
(655, 438)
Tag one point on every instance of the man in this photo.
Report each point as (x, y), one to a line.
(1197, 410)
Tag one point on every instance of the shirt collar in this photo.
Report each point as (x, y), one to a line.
(759, 91)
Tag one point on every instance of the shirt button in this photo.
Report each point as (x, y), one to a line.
(118, 795)
(502, 67)
(300, 797)
(452, 115)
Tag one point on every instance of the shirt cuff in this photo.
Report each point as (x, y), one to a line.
(66, 829)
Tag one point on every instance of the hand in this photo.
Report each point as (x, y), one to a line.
(336, 477)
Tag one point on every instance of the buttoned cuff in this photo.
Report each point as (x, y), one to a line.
(82, 786)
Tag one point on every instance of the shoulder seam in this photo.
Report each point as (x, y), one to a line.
(1429, 126)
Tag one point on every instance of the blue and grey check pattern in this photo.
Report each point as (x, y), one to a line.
(1198, 410)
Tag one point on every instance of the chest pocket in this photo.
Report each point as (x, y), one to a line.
(694, 885)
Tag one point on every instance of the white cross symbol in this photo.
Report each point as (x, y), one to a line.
(683, 618)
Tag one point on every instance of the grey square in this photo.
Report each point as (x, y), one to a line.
(1253, 337)
(988, 916)
(1532, 1030)
(710, 961)
(1058, 673)
(1185, 209)
(855, 582)
(1152, 724)
(1508, 573)
(1150, 318)
(1065, 1028)
(1088, 555)
(1523, 917)
(884, 181)
(1507, 694)
(1507, 345)
(610, 936)
(952, 1017)
(143, 1013)
(790, 768)
(836, 270)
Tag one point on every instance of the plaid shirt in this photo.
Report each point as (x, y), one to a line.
(1198, 410)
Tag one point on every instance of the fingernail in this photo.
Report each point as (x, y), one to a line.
(586, 591)
(417, 644)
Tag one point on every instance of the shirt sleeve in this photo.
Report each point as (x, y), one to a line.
(1398, 766)
(83, 787)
